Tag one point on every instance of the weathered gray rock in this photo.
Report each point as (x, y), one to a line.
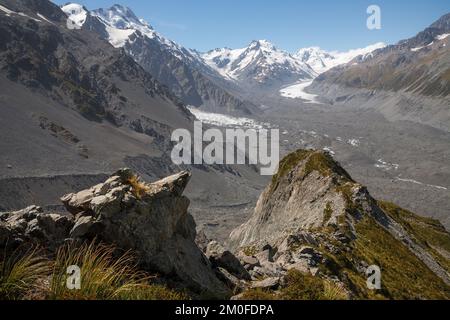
(268, 283)
(237, 297)
(272, 269)
(82, 227)
(264, 256)
(284, 259)
(222, 258)
(301, 266)
(151, 219)
(295, 201)
(233, 283)
(249, 261)
(32, 225)
(267, 270)
(202, 240)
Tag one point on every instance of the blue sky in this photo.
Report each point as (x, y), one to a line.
(289, 24)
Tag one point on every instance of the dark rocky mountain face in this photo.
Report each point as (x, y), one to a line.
(406, 81)
(425, 37)
(424, 72)
(68, 96)
(33, 7)
(185, 80)
(75, 67)
(420, 65)
(180, 70)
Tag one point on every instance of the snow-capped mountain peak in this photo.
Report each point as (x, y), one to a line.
(121, 17)
(315, 57)
(121, 23)
(262, 44)
(76, 14)
(258, 64)
(260, 61)
(321, 60)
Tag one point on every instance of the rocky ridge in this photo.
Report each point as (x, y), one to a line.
(314, 219)
(312, 224)
(150, 219)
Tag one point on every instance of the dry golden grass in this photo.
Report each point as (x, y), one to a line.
(138, 188)
(332, 291)
(21, 272)
(105, 275)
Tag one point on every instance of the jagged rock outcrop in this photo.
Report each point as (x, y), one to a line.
(315, 219)
(150, 219)
(33, 226)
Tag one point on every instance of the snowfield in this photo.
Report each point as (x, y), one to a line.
(231, 63)
(442, 36)
(118, 37)
(221, 120)
(298, 91)
(321, 60)
(6, 10)
(77, 15)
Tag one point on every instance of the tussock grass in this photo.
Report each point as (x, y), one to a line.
(103, 276)
(153, 292)
(404, 276)
(258, 294)
(289, 162)
(318, 161)
(250, 251)
(302, 286)
(21, 271)
(332, 291)
(138, 188)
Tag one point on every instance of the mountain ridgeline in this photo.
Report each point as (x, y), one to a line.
(74, 108)
(315, 219)
(418, 65)
(68, 89)
(84, 93)
(172, 65)
(398, 80)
